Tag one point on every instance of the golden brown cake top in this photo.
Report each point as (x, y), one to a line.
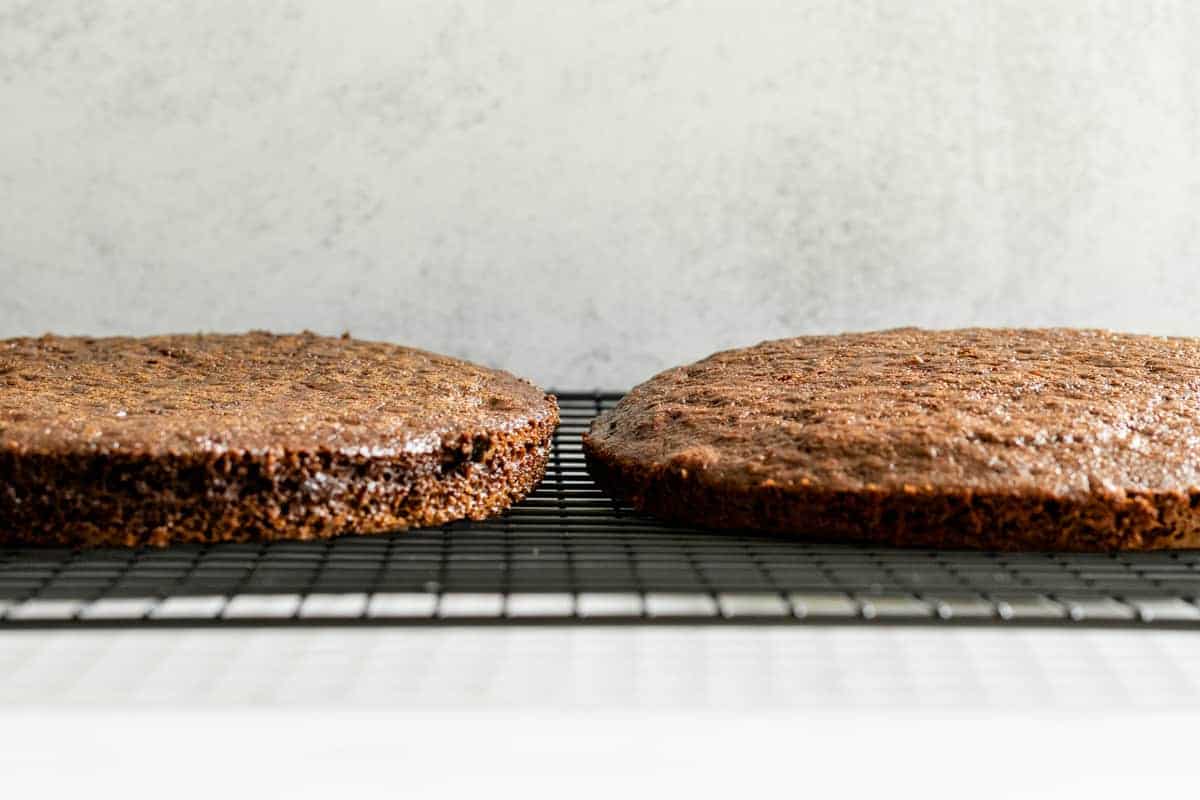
(253, 392)
(1061, 411)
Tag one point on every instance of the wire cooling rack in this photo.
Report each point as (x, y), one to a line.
(569, 553)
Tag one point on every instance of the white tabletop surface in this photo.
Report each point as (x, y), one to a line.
(585, 711)
(552, 668)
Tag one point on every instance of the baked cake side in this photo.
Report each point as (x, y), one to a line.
(1053, 439)
(255, 437)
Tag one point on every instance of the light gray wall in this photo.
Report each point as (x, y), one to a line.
(586, 192)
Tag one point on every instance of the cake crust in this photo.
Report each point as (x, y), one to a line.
(1004, 439)
(243, 437)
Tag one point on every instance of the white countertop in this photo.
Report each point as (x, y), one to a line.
(590, 711)
(553, 668)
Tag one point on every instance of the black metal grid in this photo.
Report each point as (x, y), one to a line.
(569, 552)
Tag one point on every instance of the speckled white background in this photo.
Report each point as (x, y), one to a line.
(586, 192)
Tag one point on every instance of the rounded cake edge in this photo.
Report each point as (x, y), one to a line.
(131, 500)
(915, 516)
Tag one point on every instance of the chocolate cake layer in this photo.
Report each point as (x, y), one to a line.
(1055, 439)
(206, 438)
